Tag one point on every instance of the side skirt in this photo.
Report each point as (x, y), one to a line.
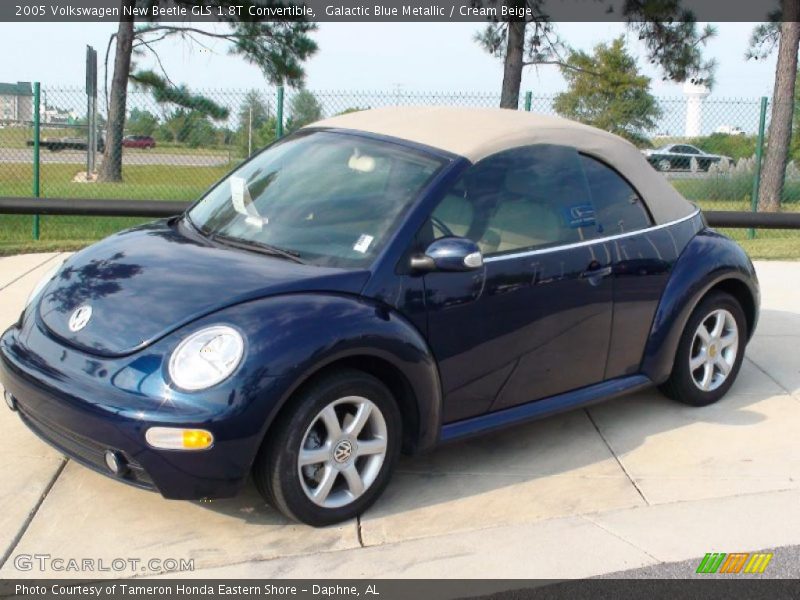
(545, 407)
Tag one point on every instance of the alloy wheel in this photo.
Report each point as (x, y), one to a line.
(713, 350)
(342, 451)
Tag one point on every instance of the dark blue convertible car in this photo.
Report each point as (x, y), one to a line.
(378, 282)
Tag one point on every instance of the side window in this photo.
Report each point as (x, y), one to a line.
(525, 198)
(618, 207)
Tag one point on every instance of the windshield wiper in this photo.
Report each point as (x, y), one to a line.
(261, 247)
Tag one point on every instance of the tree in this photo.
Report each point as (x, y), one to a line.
(607, 91)
(190, 127)
(255, 121)
(141, 122)
(305, 109)
(794, 150)
(670, 36)
(783, 32)
(254, 111)
(277, 48)
(352, 109)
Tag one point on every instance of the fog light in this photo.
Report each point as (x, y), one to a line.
(10, 401)
(175, 438)
(115, 462)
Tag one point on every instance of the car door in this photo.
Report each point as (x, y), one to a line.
(687, 153)
(535, 320)
(642, 257)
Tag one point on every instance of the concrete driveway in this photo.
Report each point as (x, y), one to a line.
(625, 484)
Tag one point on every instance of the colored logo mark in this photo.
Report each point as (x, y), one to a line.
(737, 562)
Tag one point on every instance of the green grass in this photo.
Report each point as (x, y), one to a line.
(141, 182)
(736, 187)
(774, 244)
(72, 232)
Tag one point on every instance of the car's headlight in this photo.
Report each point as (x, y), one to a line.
(206, 357)
(42, 282)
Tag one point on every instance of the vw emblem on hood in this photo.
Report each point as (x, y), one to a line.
(80, 317)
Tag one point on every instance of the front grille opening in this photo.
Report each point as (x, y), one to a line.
(83, 450)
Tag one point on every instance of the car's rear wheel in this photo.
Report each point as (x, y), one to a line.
(331, 455)
(710, 352)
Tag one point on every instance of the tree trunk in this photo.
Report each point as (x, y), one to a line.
(512, 68)
(780, 126)
(111, 169)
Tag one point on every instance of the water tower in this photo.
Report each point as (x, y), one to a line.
(695, 94)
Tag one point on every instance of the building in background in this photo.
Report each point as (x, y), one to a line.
(16, 102)
(57, 116)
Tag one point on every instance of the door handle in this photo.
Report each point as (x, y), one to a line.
(598, 273)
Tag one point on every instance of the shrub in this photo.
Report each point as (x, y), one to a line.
(734, 183)
(735, 146)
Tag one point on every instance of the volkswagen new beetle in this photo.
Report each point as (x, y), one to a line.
(379, 282)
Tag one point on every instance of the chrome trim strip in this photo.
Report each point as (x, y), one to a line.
(489, 259)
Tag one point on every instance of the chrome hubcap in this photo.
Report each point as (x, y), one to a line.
(342, 451)
(714, 349)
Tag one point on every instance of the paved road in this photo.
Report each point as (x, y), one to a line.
(686, 174)
(140, 157)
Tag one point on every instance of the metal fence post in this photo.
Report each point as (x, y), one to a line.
(36, 132)
(279, 114)
(528, 101)
(751, 233)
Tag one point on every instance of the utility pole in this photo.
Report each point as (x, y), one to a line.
(91, 111)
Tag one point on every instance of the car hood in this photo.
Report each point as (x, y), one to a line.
(143, 283)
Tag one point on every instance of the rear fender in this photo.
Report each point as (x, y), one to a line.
(708, 260)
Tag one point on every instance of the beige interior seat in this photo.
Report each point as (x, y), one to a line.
(524, 219)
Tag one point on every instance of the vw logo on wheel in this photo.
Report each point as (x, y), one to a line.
(80, 317)
(342, 451)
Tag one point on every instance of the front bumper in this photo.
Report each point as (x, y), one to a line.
(85, 406)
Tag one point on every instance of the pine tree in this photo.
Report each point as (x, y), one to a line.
(277, 48)
(670, 36)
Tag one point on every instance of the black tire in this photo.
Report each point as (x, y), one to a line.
(276, 472)
(681, 384)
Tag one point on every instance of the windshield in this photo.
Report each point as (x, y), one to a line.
(326, 198)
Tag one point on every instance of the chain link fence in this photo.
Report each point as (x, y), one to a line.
(705, 146)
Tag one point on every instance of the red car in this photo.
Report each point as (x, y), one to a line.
(138, 141)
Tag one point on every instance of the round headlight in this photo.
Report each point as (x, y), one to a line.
(206, 357)
(42, 282)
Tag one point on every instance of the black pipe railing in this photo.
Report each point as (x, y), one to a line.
(96, 207)
(165, 208)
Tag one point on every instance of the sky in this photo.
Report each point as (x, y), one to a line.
(368, 56)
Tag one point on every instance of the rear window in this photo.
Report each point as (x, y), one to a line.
(618, 207)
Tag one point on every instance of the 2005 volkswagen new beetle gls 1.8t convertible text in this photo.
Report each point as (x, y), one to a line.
(376, 283)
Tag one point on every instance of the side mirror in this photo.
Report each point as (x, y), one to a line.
(449, 254)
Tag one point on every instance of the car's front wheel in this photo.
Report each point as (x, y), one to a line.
(710, 352)
(331, 454)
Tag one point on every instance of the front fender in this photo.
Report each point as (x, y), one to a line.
(709, 259)
(294, 336)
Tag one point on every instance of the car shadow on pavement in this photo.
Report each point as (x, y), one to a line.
(573, 463)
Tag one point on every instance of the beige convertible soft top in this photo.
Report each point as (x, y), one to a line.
(476, 133)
